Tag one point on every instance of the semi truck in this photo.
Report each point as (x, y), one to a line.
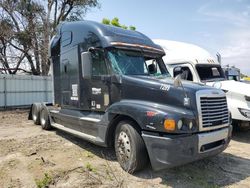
(112, 88)
(232, 73)
(196, 64)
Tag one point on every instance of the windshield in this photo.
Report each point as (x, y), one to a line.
(127, 62)
(233, 77)
(232, 74)
(210, 72)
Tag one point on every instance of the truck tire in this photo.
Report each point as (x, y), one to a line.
(35, 113)
(45, 119)
(130, 149)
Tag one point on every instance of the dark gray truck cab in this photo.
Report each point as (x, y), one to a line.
(112, 88)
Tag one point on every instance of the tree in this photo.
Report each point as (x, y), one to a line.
(28, 27)
(243, 75)
(132, 28)
(106, 21)
(115, 22)
(124, 27)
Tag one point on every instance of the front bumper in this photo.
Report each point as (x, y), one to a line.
(174, 150)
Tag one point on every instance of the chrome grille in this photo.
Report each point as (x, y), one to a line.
(214, 111)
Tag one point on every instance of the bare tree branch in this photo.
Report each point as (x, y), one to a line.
(29, 27)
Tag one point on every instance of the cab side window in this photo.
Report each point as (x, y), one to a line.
(185, 73)
(152, 67)
(99, 65)
(66, 38)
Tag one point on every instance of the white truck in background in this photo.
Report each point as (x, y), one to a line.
(232, 73)
(198, 65)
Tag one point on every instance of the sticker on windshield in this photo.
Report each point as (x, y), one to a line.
(165, 87)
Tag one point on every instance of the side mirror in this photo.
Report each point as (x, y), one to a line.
(86, 64)
(217, 85)
(177, 71)
(177, 81)
(152, 68)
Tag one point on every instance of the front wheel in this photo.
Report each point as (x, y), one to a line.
(130, 149)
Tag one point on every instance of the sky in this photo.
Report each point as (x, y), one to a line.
(217, 25)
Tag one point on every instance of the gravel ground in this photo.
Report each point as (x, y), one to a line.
(32, 157)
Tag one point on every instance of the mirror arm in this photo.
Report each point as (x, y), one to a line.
(178, 83)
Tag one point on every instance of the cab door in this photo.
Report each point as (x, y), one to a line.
(100, 82)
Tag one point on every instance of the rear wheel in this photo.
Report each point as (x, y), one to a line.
(44, 119)
(130, 149)
(36, 107)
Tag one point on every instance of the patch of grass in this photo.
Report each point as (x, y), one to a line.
(13, 163)
(202, 182)
(203, 177)
(109, 175)
(2, 174)
(198, 177)
(89, 154)
(90, 167)
(200, 174)
(44, 182)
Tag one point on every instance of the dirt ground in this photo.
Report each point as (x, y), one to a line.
(32, 157)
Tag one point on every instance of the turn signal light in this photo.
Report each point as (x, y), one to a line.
(169, 124)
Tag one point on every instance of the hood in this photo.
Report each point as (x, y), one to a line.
(232, 86)
(177, 51)
(160, 90)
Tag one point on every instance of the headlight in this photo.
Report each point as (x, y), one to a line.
(245, 112)
(179, 124)
(190, 125)
(217, 84)
(247, 98)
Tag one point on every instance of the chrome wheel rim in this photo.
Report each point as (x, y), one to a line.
(42, 118)
(34, 116)
(124, 146)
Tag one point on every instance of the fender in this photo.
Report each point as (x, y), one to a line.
(149, 116)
